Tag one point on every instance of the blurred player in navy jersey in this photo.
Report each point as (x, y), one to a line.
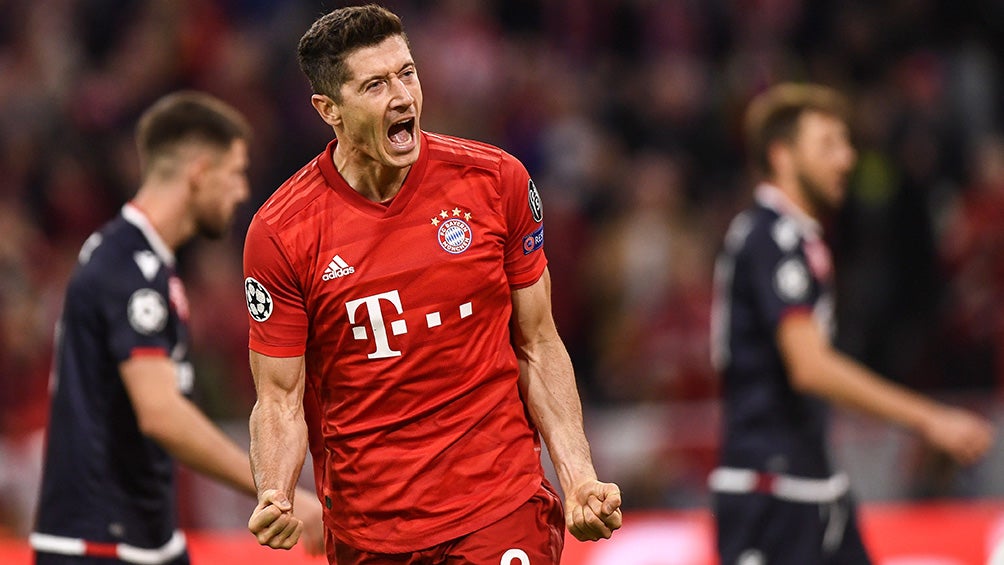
(401, 326)
(120, 412)
(776, 498)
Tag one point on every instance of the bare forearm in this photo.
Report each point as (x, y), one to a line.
(547, 382)
(278, 446)
(815, 367)
(191, 438)
(554, 406)
(592, 508)
(849, 383)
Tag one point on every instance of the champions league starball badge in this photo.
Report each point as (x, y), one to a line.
(147, 311)
(258, 299)
(791, 281)
(536, 207)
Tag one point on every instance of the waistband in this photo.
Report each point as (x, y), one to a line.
(731, 480)
(47, 543)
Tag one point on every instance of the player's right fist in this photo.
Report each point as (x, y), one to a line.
(272, 521)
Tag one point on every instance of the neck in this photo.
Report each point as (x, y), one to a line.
(166, 209)
(373, 180)
(793, 190)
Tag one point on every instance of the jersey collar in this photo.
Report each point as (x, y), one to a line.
(136, 217)
(772, 197)
(337, 182)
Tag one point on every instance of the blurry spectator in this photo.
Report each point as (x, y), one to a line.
(25, 332)
(649, 269)
(885, 246)
(973, 254)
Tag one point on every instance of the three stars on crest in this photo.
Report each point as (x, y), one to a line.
(446, 214)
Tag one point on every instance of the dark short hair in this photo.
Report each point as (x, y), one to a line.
(773, 115)
(187, 116)
(334, 36)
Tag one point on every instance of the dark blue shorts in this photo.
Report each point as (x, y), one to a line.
(760, 529)
(58, 559)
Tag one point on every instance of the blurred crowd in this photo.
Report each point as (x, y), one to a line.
(626, 113)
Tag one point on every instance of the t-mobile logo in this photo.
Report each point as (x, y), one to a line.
(397, 327)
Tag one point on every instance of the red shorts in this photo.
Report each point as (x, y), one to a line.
(533, 534)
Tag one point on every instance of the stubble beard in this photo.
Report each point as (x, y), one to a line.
(816, 197)
(214, 228)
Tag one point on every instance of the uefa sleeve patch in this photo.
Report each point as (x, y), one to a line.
(791, 281)
(536, 205)
(258, 299)
(147, 311)
(534, 241)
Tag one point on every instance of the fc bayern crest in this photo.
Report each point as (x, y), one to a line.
(454, 235)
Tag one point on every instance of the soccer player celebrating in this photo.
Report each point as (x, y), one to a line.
(120, 407)
(401, 326)
(776, 498)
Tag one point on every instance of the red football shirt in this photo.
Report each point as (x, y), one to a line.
(402, 312)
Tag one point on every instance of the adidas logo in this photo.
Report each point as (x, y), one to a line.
(337, 268)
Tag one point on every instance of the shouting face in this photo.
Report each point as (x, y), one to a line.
(377, 119)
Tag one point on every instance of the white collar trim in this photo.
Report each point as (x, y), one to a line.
(774, 198)
(136, 217)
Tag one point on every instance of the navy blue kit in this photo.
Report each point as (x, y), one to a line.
(776, 499)
(108, 492)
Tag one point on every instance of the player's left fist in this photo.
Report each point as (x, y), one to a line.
(593, 510)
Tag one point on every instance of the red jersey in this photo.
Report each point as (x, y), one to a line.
(402, 313)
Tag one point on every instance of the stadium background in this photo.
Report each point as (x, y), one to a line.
(626, 113)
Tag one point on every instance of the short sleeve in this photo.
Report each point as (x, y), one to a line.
(276, 312)
(524, 247)
(781, 280)
(137, 315)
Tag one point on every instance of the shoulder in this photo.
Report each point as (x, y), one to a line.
(763, 230)
(750, 227)
(117, 257)
(446, 149)
(293, 196)
(108, 249)
(478, 160)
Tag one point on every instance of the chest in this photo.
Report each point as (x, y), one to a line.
(434, 263)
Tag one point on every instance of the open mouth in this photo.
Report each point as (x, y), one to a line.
(402, 134)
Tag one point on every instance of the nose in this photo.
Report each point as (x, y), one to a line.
(244, 192)
(850, 156)
(401, 95)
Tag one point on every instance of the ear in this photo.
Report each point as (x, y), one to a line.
(779, 155)
(197, 168)
(327, 109)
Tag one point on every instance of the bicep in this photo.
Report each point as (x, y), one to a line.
(531, 314)
(152, 385)
(803, 347)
